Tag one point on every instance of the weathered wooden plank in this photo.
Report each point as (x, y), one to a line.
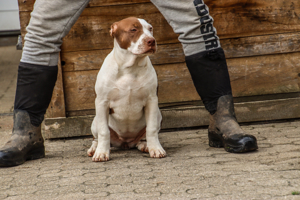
(175, 105)
(97, 3)
(175, 85)
(241, 18)
(259, 75)
(184, 117)
(245, 112)
(79, 89)
(24, 21)
(83, 60)
(91, 31)
(67, 127)
(91, 60)
(92, 28)
(261, 45)
(57, 107)
(172, 53)
(233, 19)
(27, 5)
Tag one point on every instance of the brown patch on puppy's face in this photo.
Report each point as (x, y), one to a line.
(127, 31)
(134, 35)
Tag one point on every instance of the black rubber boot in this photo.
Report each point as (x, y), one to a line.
(34, 91)
(26, 142)
(211, 79)
(210, 76)
(224, 130)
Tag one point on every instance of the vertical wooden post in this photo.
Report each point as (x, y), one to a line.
(57, 106)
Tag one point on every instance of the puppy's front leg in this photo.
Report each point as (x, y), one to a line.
(153, 120)
(102, 133)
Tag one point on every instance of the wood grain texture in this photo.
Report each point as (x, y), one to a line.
(172, 53)
(57, 107)
(91, 30)
(27, 5)
(261, 45)
(193, 116)
(268, 74)
(250, 76)
(245, 112)
(91, 60)
(197, 103)
(175, 85)
(79, 89)
(241, 18)
(233, 19)
(94, 3)
(260, 39)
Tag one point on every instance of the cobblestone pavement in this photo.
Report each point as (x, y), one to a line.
(192, 169)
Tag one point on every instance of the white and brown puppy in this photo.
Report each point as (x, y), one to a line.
(126, 104)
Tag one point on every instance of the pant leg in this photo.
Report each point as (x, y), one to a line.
(191, 20)
(50, 22)
(204, 56)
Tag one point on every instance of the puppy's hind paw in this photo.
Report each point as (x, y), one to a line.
(90, 152)
(92, 149)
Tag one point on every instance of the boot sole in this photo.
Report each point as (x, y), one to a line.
(36, 154)
(216, 140)
(31, 155)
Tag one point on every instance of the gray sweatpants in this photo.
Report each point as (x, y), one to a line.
(52, 20)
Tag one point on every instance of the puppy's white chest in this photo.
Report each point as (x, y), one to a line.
(129, 96)
(127, 82)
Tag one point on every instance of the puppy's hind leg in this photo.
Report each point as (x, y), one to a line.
(92, 149)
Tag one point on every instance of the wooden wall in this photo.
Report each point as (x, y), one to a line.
(260, 39)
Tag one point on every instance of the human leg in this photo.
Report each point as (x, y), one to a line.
(50, 22)
(206, 62)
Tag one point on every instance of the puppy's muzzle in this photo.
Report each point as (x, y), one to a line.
(151, 45)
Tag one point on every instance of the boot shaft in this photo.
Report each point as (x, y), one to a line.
(34, 90)
(210, 76)
(23, 127)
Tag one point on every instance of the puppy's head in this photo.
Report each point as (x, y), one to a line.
(134, 35)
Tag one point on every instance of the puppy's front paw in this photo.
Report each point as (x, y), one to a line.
(100, 156)
(158, 152)
(92, 149)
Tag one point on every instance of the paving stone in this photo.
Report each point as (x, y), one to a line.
(191, 170)
(15, 191)
(133, 195)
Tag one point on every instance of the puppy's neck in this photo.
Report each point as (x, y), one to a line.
(126, 59)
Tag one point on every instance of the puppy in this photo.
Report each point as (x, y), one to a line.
(127, 113)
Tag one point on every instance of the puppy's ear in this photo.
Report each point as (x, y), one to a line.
(113, 29)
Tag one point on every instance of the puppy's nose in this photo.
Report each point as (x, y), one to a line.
(151, 42)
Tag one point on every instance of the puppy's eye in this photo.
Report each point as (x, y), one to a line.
(133, 30)
(150, 29)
